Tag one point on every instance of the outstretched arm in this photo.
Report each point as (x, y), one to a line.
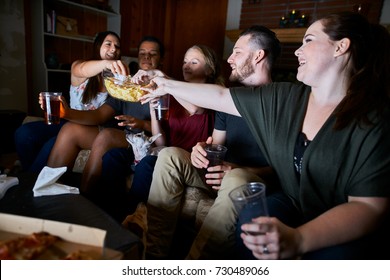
(145, 76)
(208, 96)
(84, 69)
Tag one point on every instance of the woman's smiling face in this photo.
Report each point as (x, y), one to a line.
(110, 48)
(316, 55)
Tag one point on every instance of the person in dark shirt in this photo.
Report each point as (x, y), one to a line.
(251, 61)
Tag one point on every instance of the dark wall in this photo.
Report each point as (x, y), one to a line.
(178, 23)
(269, 13)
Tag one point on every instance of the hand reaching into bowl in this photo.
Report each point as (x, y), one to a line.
(121, 87)
(155, 88)
(143, 77)
(117, 68)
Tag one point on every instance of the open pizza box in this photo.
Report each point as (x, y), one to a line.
(84, 242)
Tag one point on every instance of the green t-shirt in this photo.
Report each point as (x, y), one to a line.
(354, 161)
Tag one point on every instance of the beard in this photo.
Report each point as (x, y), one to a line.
(242, 71)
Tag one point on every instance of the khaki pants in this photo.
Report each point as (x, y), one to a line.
(216, 237)
(173, 172)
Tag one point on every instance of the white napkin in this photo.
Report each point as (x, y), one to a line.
(46, 183)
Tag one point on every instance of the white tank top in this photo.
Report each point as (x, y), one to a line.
(76, 96)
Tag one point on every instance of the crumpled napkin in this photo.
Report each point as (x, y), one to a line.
(46, 183)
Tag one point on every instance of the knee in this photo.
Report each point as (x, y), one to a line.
(166, 152)
(147, 162)
(171, 153)
(105, 133)
(24, 133)
(242, 174)
(71, 130)
(116, 158)
(237, 177)
(108, 139)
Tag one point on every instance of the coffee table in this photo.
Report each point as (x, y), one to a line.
(69, 208)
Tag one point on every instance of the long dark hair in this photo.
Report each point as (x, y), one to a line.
(95, 82)
(368, 88)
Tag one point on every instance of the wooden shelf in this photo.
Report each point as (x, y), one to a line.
(87, 7)
(285, 35)
(65, 48)
(82, 38)
(58, 70)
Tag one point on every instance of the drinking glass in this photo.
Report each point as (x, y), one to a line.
(215, 155)
(162, 108)
(250, 201)
(51, 107)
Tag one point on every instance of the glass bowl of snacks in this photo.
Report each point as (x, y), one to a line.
(121, 87)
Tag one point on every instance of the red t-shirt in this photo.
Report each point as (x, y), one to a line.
(185, 131)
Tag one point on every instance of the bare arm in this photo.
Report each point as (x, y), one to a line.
(343, 223)
(209, 96)
(156, 125)
(84, 69)
(91, 117)
(143, 76)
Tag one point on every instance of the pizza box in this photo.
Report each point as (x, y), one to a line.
(74, 238)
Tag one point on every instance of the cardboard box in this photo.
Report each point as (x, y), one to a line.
(66, 26)
(75, 238)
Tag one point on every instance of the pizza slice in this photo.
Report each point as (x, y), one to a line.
(28, 247)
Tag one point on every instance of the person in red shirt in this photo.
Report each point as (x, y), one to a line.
(187, 125)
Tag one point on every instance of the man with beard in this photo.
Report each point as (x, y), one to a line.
(252, 59)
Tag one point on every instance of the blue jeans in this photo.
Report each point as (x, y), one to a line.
(117, 165)
(280, 206)
(143, 175)
(112, 195)
(33, 142)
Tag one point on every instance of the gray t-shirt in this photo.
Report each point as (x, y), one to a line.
(135, 109)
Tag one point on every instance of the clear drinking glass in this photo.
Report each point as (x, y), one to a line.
(249, 201)
(51, 107)
(162, 108)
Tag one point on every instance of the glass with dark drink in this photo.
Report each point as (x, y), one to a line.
(51, 107)
(250, 202)
(215, 155)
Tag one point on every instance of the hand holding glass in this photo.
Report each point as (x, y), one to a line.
(250, 201)
(51, 106)
(162, 108)
(215, 154)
